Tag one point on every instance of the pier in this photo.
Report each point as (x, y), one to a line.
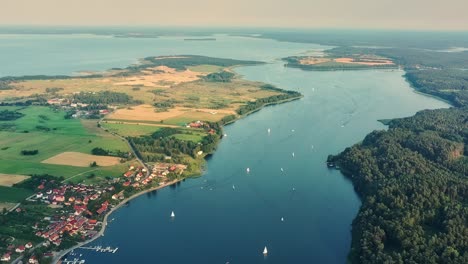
(101, 249)
(74, 261)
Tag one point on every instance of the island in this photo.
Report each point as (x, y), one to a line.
(76, 148)
(328, 61)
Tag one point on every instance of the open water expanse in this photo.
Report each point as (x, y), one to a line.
(227, 214)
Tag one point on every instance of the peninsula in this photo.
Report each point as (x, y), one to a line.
(75, 148)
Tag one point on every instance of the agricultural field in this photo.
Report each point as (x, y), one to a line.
(47, 131)
(9, 179)
(81, 159)
(125, 129)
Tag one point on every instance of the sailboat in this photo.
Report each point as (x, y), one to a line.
(172, 214)
(282, 219)
(265, 251)
(233, 187)
(293, 154)
(282, 169)
(248, 170)
(269, 131)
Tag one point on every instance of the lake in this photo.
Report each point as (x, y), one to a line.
(229, 215)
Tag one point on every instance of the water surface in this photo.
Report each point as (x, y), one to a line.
(229, 215)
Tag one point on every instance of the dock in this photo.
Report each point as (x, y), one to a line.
(101, 249)
(74, 261)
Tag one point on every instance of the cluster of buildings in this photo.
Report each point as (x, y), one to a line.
(161, 170)
(76, 195)
(78, 213)
(70, 105)
(72, 225)
(18, 249)
(139, 177)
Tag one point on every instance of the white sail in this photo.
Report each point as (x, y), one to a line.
(265, 251)
(282, 169)
(293, 154)
(233, 187)
(269, 131)
(282, 219)
(172, 214)
(248, 170)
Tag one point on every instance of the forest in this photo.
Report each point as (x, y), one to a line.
(103, 97)
(223, 76)
(259, 103)
(161, 143)
(413, 183)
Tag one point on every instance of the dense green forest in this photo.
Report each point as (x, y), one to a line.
(222, 76)
(103, 97)
(413, 179)
(414, 187)
(162, 143)
(259, 103)
(181, 62)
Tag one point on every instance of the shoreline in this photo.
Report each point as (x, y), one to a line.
(64, 252)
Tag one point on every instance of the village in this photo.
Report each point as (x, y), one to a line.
(80, 209)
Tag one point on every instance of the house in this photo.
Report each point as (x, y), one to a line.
(33, 260)
(20, 249)
(57, 242)
(59, 198)
(6, 257)
(29, 245)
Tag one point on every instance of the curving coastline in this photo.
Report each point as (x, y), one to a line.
(64, 252)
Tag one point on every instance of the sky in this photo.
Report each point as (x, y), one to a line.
(361, 14)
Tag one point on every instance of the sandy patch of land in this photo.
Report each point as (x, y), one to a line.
(362, 60)
(81, 159)
(313, 60)
(365, 61)
(10, 179)
(149, 113)
(161, 76)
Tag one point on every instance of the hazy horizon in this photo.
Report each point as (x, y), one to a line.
(300, 14)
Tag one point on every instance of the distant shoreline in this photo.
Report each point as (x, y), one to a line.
(200, 39)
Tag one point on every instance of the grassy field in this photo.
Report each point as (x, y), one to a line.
(194, 136)
(130, 129)
(13, 195)
(62, 135)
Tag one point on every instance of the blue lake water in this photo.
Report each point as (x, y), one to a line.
(216, 223)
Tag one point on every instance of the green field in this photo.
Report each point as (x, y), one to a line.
(195, 136)
(13, 195)
(130, 129)
(47, 130)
